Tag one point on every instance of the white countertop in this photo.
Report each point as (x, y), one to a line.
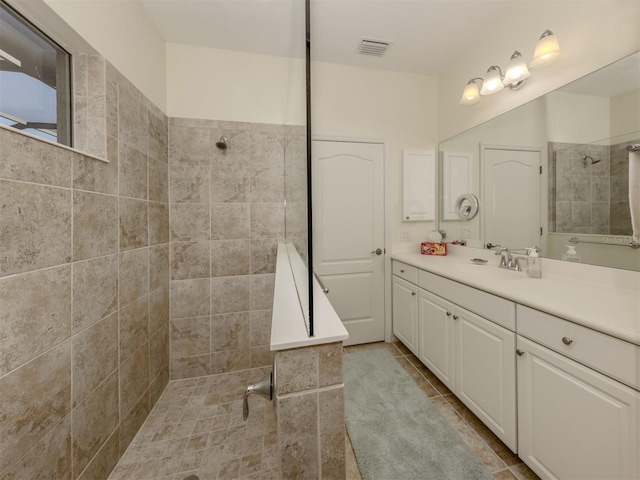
(604, 299)
(288, 326)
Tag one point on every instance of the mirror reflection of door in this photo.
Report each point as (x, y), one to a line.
(511, 196)
(348, 233)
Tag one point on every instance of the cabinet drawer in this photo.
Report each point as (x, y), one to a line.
(496, 309)
(609, 355)
(402, 270)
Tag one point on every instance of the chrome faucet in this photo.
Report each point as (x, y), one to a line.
(508, 261)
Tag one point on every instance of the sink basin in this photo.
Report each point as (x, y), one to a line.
(490, 271)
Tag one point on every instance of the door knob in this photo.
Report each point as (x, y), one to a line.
(377, 251)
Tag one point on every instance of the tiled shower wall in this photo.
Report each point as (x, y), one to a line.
(589, 198)
(84, 283)
(227, 216)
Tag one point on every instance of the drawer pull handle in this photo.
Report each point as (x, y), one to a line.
(413, 293)
(448, 314)
(401, 271)
(519, 352)
(455, 317)
(567, 340)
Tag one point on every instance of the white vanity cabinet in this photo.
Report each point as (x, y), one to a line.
(405, 305)
(472, 355)
(573, 421)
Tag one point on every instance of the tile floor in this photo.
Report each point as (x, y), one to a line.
(196, 428)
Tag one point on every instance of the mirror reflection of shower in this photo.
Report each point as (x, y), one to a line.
(588, 160)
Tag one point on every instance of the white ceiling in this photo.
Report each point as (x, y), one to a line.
(426, 35)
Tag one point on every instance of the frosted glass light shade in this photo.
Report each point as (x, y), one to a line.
(470, 95)
(547, 50)
(517, 70)
(492, 82)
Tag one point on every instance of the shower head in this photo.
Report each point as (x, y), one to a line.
(589, 160)
(222, 143)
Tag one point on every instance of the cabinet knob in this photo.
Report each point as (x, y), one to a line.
(519, 352)
(413, 293)
(455, 317)
(448, 314)
(567, 340)
(401, 271)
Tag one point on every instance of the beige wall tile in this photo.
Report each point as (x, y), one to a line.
(159, 352)
(159, 383)
(230, 360)
(35, 314)
(158, 309)
(189, 142)
(230, 331)
(230, 221)
(49, 458)
(261, 356)
(21, 158)
(297, 370)
(190, 336)
(26, 416)
(158, 180)
(260, 327)
(96, 176)
(330, 364)
(35, 226)
(133, 172)
(262, 291)
(93, 421)
(230, 294)
(95, 356)
(134, 327)
(132, 120)
(267, 220)
(95, 225)
(332, 432)
(230, 257)
(298, 436)
(263, 255)
(105, 460)
(134, 379)
(132, 423)
(188, 367)
(134, 220)
(158, 135)
(190, 298)
(158, 266)
(95, 290)
(134, 273)
(189, 185)
(189, 222)
(190, 260)
(230, 181)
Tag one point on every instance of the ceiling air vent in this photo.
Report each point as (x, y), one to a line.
(368, 46)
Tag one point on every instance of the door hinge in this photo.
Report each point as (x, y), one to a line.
(540, 169)
(540, 231)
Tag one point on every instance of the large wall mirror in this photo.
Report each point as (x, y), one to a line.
(554, 172)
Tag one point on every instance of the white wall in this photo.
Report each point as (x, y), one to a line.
(397, 108)
(121, 32)
(592, 33)
(625, 116)
(219, 84)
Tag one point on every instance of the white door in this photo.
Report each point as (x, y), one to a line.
(348, 233)
(511, 196)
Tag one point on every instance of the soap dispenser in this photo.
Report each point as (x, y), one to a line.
(534, 262)
(571, 255)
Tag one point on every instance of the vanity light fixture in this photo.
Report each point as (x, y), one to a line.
(547, 52)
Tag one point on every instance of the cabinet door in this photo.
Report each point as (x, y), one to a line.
(486, 373)
(436, 332)
(405, 312)
(574, 422)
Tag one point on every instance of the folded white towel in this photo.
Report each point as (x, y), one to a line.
(634, 192)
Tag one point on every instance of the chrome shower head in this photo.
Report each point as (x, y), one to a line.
(589, 160)
(222, 143)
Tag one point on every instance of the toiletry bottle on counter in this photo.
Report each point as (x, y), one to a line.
(534, 262)
(571, 255)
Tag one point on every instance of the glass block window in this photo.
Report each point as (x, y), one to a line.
(35, 76)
